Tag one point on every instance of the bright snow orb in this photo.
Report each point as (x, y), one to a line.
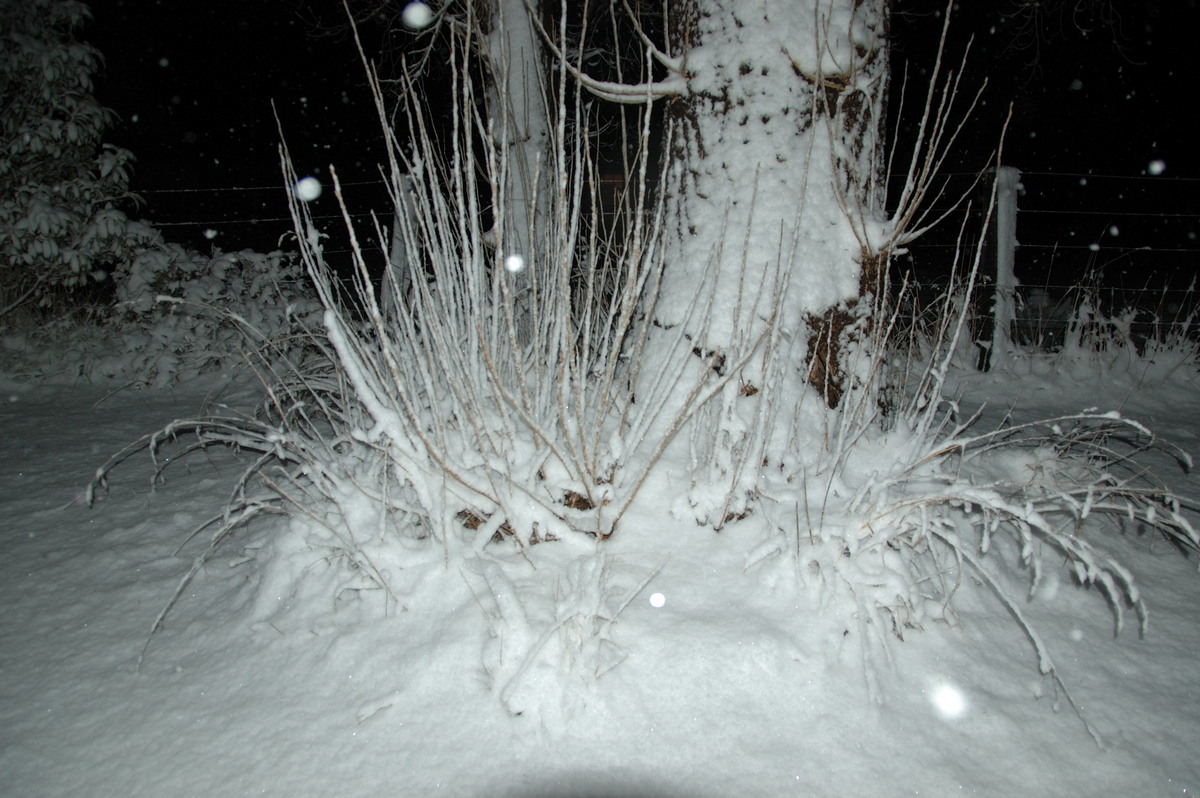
(210, 234)
(949, 701)
(657, 600)
(308, 189)
(514, 263)
(416, 16)
(1157, 166)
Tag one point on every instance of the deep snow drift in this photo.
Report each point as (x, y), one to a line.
(737, 685)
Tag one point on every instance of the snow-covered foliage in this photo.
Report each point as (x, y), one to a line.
(61, 186)
(186, 313)
(885, 531)
(177, 314)
(899, 521)
(1113, 342)
(1079, 334)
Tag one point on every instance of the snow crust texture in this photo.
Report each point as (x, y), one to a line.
(261, 683)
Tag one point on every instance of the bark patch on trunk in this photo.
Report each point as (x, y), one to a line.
(836, 327)
(825, 344)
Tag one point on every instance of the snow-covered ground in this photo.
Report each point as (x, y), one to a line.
(736, 685)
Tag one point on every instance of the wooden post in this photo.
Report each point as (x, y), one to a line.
(1004, 303)
(994, 331)
(397, 277)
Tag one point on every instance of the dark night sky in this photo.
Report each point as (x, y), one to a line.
(192, 85)
(1105, 91)
(1106, 95)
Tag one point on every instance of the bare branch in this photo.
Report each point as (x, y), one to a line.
(673, 64)
(630, 94)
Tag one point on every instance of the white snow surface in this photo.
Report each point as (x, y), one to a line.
(259, 684)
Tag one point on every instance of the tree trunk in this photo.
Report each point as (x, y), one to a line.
(775, 180)
(776, 168)
(522, 130)
(506, 40)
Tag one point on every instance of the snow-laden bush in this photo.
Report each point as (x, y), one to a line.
(882, 531)
(1116, 343)
(904, 520)
(1077, 336)
(185, 313)
(177, 313)
(475, 398)
(67, 247)
(61, 186)
(479, 421)
(905, 509)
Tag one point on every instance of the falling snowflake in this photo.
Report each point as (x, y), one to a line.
(416, 16)
(308, 189)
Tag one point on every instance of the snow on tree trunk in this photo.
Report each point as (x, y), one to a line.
(775, 187)
(775, 176)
